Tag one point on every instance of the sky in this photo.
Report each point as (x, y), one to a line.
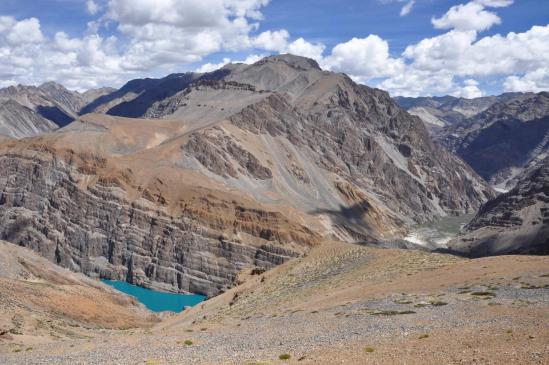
(407, 47)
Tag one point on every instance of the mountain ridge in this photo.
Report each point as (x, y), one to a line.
(40, 109)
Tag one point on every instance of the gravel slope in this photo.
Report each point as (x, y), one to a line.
(329, 307)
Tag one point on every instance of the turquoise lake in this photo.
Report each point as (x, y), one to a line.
(157, 301)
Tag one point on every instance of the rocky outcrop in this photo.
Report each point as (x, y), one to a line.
(516, 222)
(216, 151)
(100, 232)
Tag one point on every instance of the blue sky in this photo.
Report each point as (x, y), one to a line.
(114, 34)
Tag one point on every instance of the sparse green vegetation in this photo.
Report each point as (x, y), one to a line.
(186, 342)
(483, 294)
(530, 286)
(423, 336)
(369, 349)
(390, 313)
(28, 349)
(285, 357)
(437, 303)
(403, 301)
(17, 350)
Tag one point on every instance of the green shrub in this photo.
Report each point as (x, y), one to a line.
(391, 313)
(403, 301)
(285, 357)
(483, 294)
(437, 303)
(369, 349)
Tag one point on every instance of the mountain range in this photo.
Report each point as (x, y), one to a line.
(497, 136)
(247, 165)
(27, 111)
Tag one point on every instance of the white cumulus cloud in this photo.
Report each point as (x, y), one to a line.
(464, 17)
(469, 90)
(25, 31)
(363, 58)
(272, 40)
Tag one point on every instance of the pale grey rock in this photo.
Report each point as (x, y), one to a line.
(516, 222)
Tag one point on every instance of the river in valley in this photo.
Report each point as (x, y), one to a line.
(438, 233)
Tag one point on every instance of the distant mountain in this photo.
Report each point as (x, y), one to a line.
(31, 110)
(247, 166)
(442, 111)
(18, 121)
(516, 222)
(499, 142)
(128, 92)
(497, 136)
(134, 99)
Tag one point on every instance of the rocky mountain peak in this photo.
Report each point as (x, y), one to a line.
(52, 85)
(297, 62)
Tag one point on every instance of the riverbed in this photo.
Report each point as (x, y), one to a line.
(438, 233)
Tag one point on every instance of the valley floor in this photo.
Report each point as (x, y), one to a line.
(342, 303)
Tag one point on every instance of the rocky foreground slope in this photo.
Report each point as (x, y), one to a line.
(343, 303)
(42, 303)
(248, 166)
(516, 222)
